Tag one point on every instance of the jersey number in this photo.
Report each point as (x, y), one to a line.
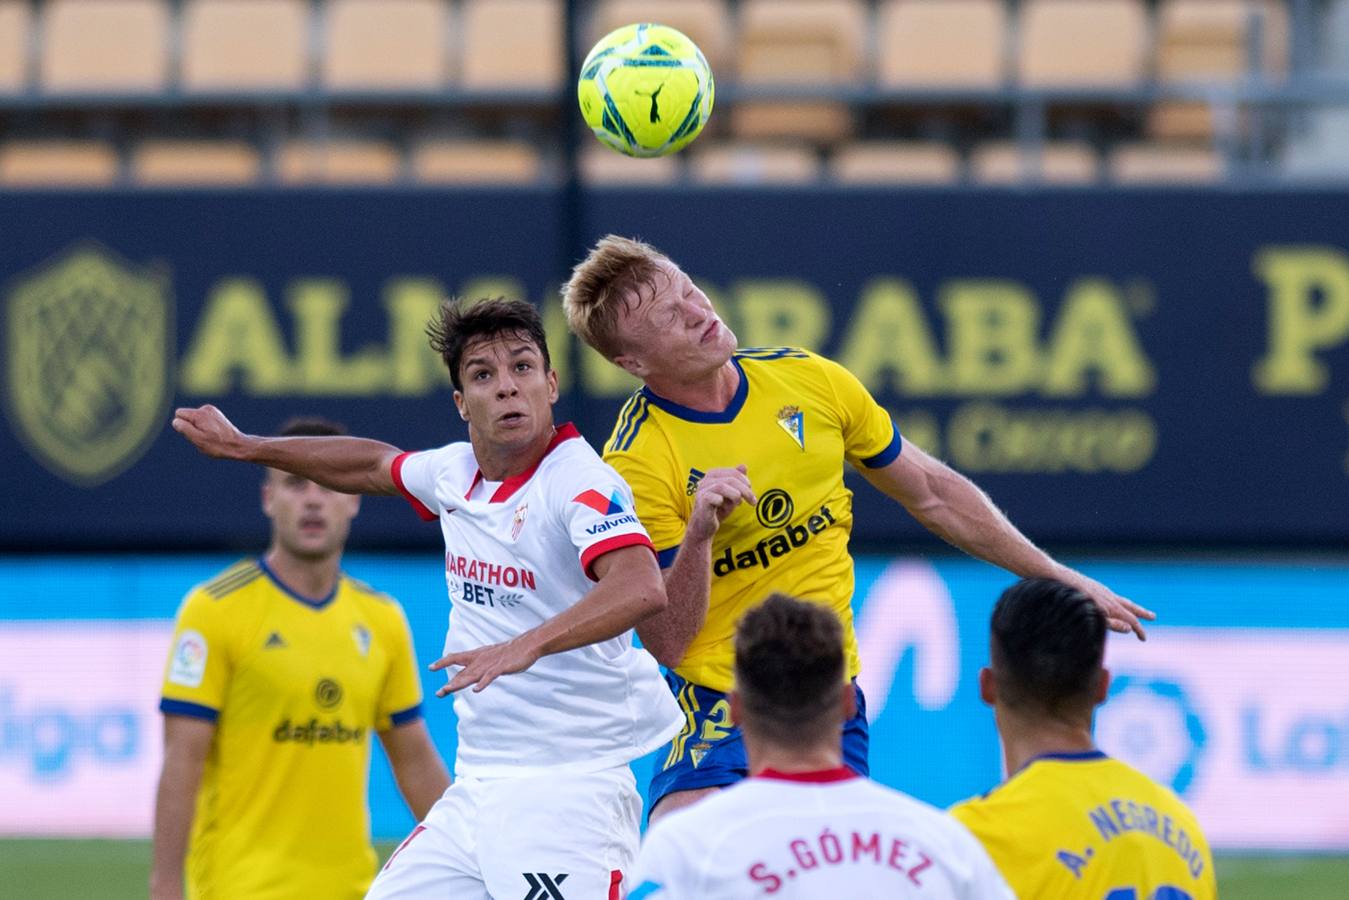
(1165, 892)
(718, 723)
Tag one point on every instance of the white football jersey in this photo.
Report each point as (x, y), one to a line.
(517, 555)
(812, 836)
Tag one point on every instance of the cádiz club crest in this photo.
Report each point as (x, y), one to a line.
(88, 350)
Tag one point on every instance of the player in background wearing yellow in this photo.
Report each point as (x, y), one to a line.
(735, 458)
(281, 670)
(1070, 822)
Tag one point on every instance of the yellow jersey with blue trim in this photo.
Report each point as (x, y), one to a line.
(1083, 826)
(794, 420)
(295, 686)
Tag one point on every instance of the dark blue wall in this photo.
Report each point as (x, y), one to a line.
(1113, 367)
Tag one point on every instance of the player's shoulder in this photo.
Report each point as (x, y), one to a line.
(229, 584)
(634, 427)
(367, 593)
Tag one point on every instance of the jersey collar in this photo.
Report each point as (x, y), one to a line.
(1079, 756)
(693, 415)
(823, 776)
(563, 432)
(310, 602)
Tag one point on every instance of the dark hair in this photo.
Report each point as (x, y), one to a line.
(310, 426)
(461, 322)
(1047, 645)
(789, 667)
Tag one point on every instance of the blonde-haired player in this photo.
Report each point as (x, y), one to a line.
(1070, 822)
(735, 458)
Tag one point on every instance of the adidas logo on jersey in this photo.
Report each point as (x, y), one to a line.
(274, 641)
(695, 476)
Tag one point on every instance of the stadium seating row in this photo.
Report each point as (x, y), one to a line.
(250, 45)
(357, 162)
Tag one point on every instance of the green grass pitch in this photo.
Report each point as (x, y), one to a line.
(113, 870)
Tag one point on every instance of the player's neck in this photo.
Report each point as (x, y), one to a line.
(1024, 739)
(313, 579)
(794, 760)
(498, 462)
(711, 392)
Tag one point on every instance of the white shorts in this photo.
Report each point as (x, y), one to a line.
(571, 837)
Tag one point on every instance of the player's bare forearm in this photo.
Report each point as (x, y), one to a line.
(417, 767)
(688, 585)
(629, 590)
(952, 507)
(186, 743)
(350, 465)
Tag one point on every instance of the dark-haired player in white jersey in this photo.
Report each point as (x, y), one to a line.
(548, 571)
(804, 825)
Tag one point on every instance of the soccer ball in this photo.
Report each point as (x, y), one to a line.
(645, 90)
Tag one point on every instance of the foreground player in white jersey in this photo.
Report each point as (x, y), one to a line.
(803, 825)
(548, 571)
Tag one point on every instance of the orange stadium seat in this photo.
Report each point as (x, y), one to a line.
(195, 163)
(512, 44)
(245, 44)
(111, 45)
(941, 43)
(895, 162)
(1005, 162)
(1158, 163)
(15, 20)
(1208, 41)
(476, 162)
(753, 164)
(386, 44)
(706, 22)
(805, 42)
(58, 164)
(600, 165)
(338, 162)
(1082, 43)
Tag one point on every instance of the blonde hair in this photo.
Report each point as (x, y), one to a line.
(591, 297)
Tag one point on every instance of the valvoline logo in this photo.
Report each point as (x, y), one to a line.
(605, 506)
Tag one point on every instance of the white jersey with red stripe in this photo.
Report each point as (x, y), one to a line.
(812, 835)
(518, 554)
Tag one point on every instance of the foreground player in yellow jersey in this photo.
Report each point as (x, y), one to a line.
(1070, 823)
(735, 458)
(281, 670)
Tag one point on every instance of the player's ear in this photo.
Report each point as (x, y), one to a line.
(988, 686)
(848, 700)
(734, 698)
(267, 493)
(1102, 687)
(552, 386)
(459, 405)
(631, 365)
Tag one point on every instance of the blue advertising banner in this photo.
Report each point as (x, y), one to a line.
(1112, 367)
(1239, 700)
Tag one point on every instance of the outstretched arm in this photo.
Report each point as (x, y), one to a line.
(688, 580)
(952, 507)
(351, 465)
(628, 591)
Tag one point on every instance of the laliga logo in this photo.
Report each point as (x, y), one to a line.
(1150, 723)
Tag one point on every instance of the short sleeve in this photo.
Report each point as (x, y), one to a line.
(200, 664)
(414, 474)
(870, 437)
(401, 700)
(600, 516)
(661, 509)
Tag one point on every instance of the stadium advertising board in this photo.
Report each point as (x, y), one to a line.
(1114, 367)
(1239, 701)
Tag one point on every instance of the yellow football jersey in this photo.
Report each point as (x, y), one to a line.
(296, 688)
(1083, 825)
(794, 420)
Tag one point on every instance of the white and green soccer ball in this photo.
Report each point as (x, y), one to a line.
(645, 90)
